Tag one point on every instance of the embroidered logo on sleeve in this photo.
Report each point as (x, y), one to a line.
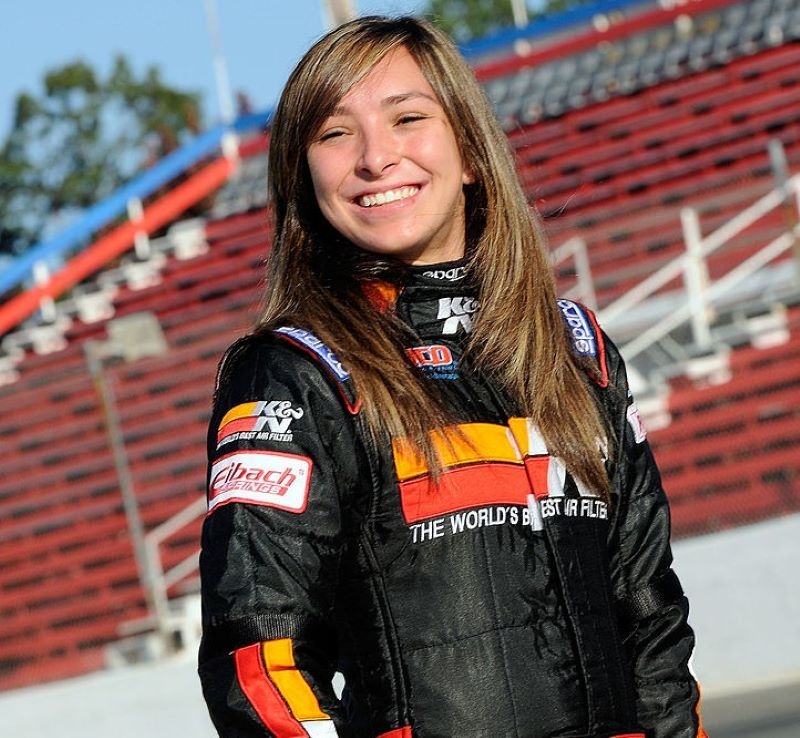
(583, 337)
(635, 421)
(261, 478)
(310, 341)
(263, 421)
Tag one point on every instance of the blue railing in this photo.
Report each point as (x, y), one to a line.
(61, 246)
(546, 26)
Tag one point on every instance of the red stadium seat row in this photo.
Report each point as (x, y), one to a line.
(732, 451)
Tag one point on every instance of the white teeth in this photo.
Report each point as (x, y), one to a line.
(381, 198)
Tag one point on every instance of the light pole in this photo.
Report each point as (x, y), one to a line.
(131, 337)
(225, 98)
(339, 11)
(520, 10)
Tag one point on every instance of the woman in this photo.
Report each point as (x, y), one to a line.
(426, 472)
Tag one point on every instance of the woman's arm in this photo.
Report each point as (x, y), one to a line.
(654, 608)
(282, 460)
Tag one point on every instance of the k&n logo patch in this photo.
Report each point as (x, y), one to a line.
(263, 421)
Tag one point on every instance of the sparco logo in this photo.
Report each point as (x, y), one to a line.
(583, 338)
(260, 478)
(309, 340)
(450, 275)
(456, 311)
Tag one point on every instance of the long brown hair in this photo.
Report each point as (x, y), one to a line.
(315, 277)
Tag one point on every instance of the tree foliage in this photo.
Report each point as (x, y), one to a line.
(80, 139)
(468, 19)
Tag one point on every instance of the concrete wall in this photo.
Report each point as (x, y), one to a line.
(744, 590)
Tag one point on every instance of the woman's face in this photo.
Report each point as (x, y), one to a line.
(386, 168)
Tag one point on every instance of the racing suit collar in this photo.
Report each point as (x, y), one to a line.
(384, 293)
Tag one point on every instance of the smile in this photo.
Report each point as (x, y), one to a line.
(382, 198)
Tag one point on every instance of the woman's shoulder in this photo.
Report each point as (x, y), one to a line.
(288, 354)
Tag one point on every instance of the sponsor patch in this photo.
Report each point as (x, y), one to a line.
(493, 475)
(635, 421)
(463, 488)
(532, 515)
(263, 478)
(264, 421)
(583, 336)
(455, 312)
(446, 275)
(436, 360)
(310, 341)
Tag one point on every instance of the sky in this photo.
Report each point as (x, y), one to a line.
(260, 41)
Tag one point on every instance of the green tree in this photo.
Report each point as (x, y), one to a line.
(469, 19)
(80, 139)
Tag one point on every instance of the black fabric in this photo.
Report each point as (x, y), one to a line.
(223, 637)
(581, 559)
(650, 598)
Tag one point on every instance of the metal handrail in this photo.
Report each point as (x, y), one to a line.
(710, 243)
(162, 580)
(701, 292)
(721, 286)
(583, 290)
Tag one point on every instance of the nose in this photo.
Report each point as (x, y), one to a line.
(379, 151)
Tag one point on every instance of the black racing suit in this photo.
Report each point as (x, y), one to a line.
(509, 601)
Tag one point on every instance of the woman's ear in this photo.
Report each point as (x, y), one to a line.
(468, 177)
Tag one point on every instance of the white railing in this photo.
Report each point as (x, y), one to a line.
(701, 293)
(160, 618)
(157, 536)
(583, 289)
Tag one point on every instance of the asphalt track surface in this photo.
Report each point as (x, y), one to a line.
(773, 713)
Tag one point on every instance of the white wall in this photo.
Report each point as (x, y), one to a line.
(744, 591)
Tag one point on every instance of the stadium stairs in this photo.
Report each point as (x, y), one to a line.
(633, 135)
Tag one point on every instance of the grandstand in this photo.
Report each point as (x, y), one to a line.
(661, 145)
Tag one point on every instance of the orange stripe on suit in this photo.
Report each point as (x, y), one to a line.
(277, 691)
(483, 464)
(262, 693)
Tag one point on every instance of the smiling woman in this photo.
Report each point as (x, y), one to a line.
(427, 472)
(387, 170)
